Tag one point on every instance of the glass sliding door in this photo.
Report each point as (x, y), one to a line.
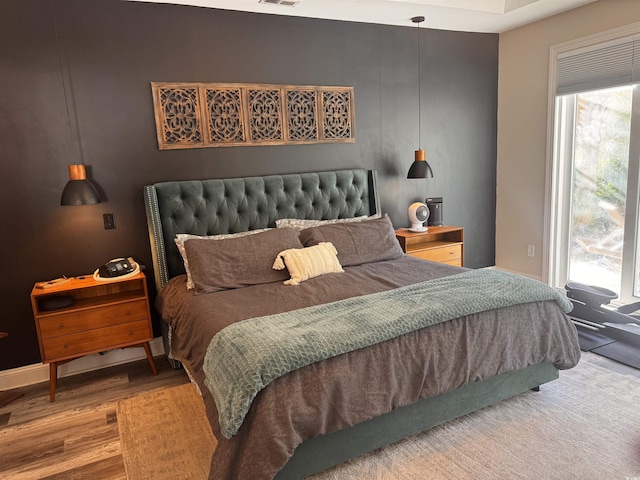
(597, 240)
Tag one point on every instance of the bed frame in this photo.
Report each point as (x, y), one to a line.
(210, 207)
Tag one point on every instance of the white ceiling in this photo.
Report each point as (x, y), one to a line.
(488, 16)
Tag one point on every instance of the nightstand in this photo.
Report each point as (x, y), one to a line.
(83, 316)
(438, 244)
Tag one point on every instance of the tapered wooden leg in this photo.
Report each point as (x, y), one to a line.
(152, 364)
(53, 379)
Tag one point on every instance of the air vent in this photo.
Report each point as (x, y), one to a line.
(285, 3)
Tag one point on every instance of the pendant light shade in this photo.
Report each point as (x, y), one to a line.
(78, 190)
(420, 168)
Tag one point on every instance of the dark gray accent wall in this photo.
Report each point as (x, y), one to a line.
(114, 49)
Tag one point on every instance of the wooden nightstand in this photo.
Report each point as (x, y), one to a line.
(438, 244)
(100, 316)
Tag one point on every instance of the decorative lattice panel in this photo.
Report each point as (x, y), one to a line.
(336, 114)
(302, 115)
(179, 108)
(265, 115)
(193, 115)
(225, 115)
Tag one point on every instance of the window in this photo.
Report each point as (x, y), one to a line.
(596, 168)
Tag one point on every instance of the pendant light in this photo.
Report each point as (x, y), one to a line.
(78, 190)
(420, 168)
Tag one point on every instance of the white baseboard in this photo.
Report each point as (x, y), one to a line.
(39, 372)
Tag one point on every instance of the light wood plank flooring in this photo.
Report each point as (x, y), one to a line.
(75, 437)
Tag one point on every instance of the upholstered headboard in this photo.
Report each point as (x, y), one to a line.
(210, 207)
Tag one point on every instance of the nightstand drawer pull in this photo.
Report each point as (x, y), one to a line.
(62, 325)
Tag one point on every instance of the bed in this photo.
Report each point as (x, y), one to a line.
(335, 392)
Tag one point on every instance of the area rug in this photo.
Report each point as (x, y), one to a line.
(586, 425)
(164, 435)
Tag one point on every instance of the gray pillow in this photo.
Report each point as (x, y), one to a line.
(238, 262)
(357, 243)
(183, 237)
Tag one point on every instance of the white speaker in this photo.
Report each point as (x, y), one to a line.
(418, 214)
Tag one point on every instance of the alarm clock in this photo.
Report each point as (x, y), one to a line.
(418, 214)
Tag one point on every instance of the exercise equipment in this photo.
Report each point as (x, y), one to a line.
(602, 329)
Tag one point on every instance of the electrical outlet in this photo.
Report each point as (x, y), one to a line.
(109, 221)
(531, 251)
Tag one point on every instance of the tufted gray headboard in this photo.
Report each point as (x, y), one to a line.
(210, 207)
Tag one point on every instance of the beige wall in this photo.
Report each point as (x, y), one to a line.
(523, 77)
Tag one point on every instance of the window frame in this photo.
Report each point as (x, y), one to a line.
(558, 175)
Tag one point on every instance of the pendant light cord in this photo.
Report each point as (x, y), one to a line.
(74, 140)
(418, 20)
(419, 94)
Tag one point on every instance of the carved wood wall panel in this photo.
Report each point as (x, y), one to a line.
(302, 115)
(196, 115)
(225, 115)
(181, 115)
(265, 115)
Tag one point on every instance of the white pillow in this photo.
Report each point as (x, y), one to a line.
(183, 237)
(301, 224)
(306, 263)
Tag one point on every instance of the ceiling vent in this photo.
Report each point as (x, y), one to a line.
(285, 3)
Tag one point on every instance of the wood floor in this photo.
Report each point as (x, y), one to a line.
(75, 437)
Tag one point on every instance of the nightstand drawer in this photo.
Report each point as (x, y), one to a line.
(443, 244)
(451, 254)
(106, 338)
(81, 320)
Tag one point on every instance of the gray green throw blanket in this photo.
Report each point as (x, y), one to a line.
(246, 356)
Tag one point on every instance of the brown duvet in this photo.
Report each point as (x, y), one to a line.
(350, 388)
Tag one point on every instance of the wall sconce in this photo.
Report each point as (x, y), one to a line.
(420, 168)
(78, 190)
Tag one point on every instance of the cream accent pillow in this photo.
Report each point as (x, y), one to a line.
(306, 263)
